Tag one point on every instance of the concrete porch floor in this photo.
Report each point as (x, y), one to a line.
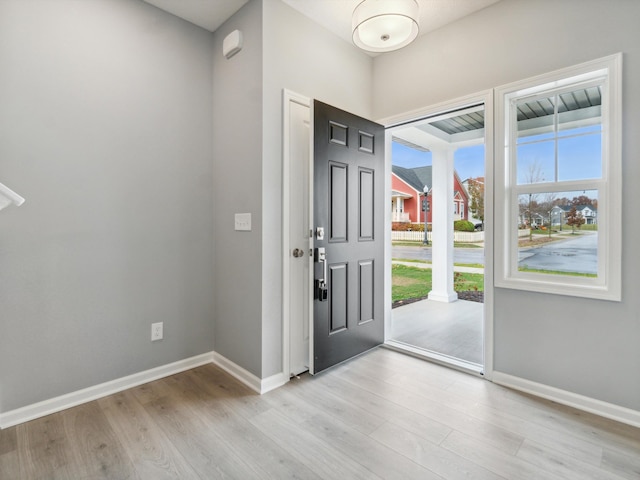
(452, 329)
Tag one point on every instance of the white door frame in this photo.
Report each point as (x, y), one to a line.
(485, 97)
(288, 98)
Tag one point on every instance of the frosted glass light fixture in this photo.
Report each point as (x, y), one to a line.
(385, 25)
(9, 197)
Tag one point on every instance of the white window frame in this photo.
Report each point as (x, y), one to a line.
(607, 284)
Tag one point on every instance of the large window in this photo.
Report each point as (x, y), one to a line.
(558, 173)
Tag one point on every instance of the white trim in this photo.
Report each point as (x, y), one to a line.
(388, 182)
(249, 379)
(485, 97)
(581, 402)
(287, 97)
(435, 110)
(312, 132)
(607, 285)
(273, 382)
(57, 404)
(489, 236)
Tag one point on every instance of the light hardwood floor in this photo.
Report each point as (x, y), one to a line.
(382, 415)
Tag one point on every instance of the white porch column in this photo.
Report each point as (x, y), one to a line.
(442, 222)
(397, 215)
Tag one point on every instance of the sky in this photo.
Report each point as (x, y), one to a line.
(578, 157)
(468, 162)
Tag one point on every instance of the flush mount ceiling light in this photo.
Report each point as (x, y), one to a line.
(385, 25)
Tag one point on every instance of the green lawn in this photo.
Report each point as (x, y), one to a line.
(524, 268)
(414, 282)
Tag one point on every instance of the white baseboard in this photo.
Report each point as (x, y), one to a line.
(273, 382)
(581, 402)
(249, 379)
(47, 407)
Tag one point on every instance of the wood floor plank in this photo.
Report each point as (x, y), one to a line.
(152, 454)
(222, 385)
(8, 440)
(150, 392)
(626, 466)
(207, 453)
(96, 450)
(386, 366)
(344, 409)
(586, 426)
(493, 459)
(267, 456)
(445, 463)
(286, 401)
(408, 365)
(555, 439)
(428, 428)
(371, 454)
(571, 445)
(562, 465)
(10, 466)
(322, 457)
(452, 418)
(366, 451)
(43, 449)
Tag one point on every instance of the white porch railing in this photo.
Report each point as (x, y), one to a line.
(460, 237)
(409, 236)
(400, 217)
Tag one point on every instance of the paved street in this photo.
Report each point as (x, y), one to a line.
(460, 255)
(577, 253)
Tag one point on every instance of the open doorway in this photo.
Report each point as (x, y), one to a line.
(439, 236)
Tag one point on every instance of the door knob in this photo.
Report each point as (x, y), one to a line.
(297, 252)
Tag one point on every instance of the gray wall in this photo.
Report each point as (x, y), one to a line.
(237, 181)
(105, 129)
(583, 346)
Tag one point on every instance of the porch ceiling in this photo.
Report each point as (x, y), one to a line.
(396, 194)
(467, 125)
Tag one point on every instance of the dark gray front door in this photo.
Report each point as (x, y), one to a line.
(349, 208)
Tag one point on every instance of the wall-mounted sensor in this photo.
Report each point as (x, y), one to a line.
(232, 44)
(9, 197)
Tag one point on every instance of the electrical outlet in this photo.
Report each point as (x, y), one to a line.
(243, 222)
(156, 331)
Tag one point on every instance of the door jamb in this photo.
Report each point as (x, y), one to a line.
(287, 98)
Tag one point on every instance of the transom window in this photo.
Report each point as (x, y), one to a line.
(561, 169)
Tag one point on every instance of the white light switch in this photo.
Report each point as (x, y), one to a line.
(243, 222)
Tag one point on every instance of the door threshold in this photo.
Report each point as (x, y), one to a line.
(440, 359)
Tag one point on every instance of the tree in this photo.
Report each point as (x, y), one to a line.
(574, 219)
(535, 174)
(476, 190)
(582, 200)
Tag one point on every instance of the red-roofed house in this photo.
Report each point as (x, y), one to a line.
(407, 185)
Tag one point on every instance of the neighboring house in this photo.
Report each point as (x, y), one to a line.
(559, 214)
(536, 220)
(407, 186)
